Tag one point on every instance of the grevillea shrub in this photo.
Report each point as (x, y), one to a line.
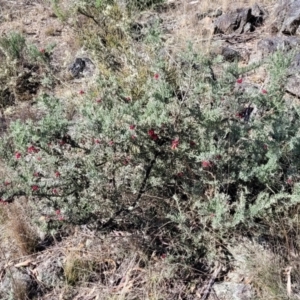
(194, 158)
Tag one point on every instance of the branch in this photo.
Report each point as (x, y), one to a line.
(142, 190)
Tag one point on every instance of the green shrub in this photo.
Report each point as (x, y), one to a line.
(185, 156)
(13, 45)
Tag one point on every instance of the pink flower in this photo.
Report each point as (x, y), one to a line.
(36, 174)
(32, 149)
(18, 155)
(57, 212)
(110, 143)
(54, 191)
(34, 188)
(7, 183)
(42, 50)
(132, 127)
(206, 164)
(3, 202)
(96, 141)
(156, 76)
(240, 80)
(39, 158)
(152, 134)
(81, 92)
(264, 91)
(57, 174)
(60, 218)
(128, 99)
(99, 100)
(175, 144)
(289, 181)
(133, 137)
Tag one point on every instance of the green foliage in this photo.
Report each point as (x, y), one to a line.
(185, 141)
(12, 45)
(142, 5)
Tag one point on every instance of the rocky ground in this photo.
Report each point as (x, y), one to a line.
(111, 265)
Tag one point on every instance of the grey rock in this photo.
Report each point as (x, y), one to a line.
(50, 272)
(233, 21)
(230, 54)
(241, 20)
(272, 44)
(81, 67)
(293, 77)
(232, 291)
(259, 14)
(286, 15)
(17, 283)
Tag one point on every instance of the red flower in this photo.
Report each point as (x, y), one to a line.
(152, 134)
(32, 149)
(240, 80)
(175, 144)
(81, 92)
(18, 155)
(264, 91)
(206, 164)
(34, 188)
(156, 76)
(192, 143)
(132, 127)
(180, 174)
(57, 174)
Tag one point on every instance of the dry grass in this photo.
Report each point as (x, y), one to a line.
(19, 231)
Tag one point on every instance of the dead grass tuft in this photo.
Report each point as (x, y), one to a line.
(19, 230)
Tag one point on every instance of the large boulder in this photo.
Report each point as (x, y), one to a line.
(241, 20)
(286, 15)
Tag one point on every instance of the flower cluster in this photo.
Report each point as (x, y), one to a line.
(152, 134)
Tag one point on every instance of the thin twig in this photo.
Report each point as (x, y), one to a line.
(211, 282)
